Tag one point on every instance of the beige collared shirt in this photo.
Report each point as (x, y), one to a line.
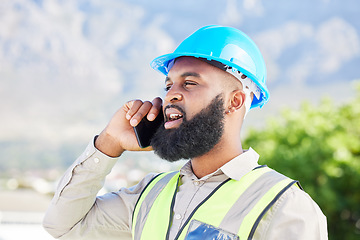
(76, 212)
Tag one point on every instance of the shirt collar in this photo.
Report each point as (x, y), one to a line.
(241, 165)
(234, 169)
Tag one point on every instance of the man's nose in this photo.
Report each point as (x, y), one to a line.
(173, 95)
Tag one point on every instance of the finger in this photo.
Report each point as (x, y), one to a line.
(155, 109)
(133, 107)
(141, 113)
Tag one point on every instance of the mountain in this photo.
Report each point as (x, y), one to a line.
(67, 65)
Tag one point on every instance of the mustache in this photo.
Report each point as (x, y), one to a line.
(182, 111)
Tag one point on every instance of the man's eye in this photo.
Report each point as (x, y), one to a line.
(190, 84)
(167, 88)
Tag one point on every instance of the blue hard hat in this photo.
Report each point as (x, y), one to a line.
(226, 45)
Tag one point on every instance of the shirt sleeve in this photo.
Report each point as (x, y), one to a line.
(77, 213)
(294, 216)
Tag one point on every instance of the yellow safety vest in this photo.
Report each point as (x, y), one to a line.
(234, 206)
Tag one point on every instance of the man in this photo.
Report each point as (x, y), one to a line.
(212, 80)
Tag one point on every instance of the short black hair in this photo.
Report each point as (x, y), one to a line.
(215, 63)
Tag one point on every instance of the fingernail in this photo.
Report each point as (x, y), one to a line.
(151, 117)
(133, 122)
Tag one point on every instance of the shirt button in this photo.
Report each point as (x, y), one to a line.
(96, 160)
(177, 216)
(196, 183)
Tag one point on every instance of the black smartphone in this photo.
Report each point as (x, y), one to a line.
(146, 129)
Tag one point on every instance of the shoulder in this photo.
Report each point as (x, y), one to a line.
(295, 215)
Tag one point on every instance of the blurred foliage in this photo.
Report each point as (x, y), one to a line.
(320, 146)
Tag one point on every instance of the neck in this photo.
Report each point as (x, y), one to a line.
(222, 153)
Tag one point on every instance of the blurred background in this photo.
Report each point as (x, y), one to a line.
(67, 65)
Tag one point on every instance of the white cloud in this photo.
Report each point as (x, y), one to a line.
(255, 6)
(273, 43)
(335, 42)
(328, 48)
(232, 14)
(338, 42)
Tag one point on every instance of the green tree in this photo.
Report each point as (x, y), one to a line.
(320, 146)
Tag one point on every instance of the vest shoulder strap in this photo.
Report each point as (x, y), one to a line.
(164, 183)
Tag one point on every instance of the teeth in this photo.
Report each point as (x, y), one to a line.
(175, 116)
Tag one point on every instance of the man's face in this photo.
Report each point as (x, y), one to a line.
(194, 111)
(191, 85)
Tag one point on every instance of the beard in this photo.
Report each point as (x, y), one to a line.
(193, 138)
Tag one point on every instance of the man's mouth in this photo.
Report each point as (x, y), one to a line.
(173, 118)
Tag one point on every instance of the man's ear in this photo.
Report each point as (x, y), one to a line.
(236, 101)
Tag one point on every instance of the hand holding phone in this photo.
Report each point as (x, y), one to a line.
(146, 129)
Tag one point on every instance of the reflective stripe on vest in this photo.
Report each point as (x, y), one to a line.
(234, 206)
(148, 200)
